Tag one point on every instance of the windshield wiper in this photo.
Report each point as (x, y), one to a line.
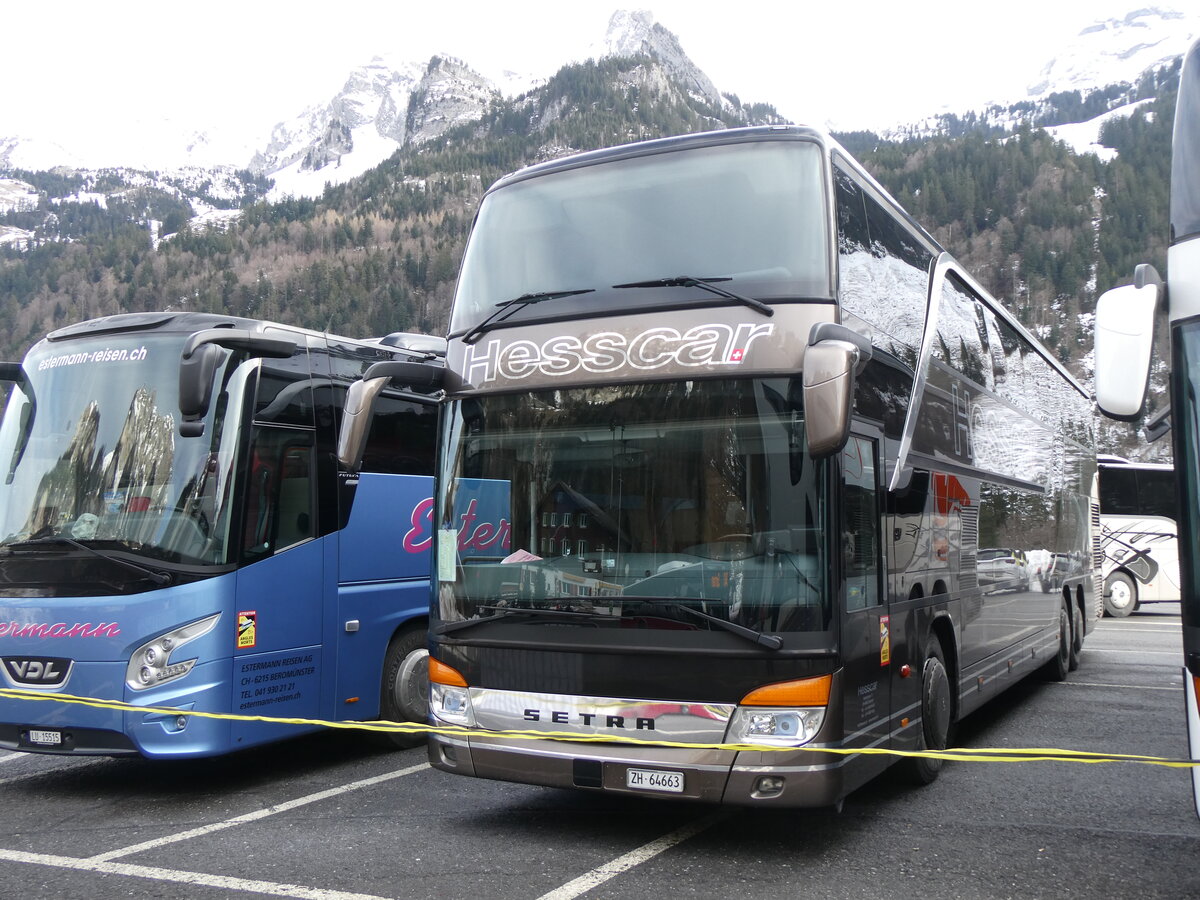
(503, 612)
(705, 284)
(161, 578)
(508, 307)
(770, 641)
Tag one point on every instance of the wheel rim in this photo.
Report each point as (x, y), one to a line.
(1120, 594)
(936, 704)
(410, 690)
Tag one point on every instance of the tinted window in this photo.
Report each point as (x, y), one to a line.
(284, 395)
(883, 271)
(402, 438)
(961, 331)
(1130, 491)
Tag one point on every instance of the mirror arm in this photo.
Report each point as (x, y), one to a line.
(360, 402)
(198, 364)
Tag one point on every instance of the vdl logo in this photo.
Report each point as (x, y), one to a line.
(37, 671)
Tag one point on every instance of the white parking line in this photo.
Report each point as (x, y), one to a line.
(1130, 687)
(254, 816)
(1141, 629)
(10, 757)
(175, 875)
(627, 861)
(1178, 653)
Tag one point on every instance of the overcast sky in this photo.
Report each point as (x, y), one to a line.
(849, 64)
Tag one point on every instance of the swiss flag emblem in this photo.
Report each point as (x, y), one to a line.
(737, 355)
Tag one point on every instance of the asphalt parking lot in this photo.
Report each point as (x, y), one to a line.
(329, 816)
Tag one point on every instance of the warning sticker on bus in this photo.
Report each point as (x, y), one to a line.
(247, 629)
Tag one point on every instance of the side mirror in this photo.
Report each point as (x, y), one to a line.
(834, 356)
(198, 365)
(360, 402)
(10, 371)
(1124, 339)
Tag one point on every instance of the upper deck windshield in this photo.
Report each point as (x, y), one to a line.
(90, 452)
(635, 506)
(752, 212)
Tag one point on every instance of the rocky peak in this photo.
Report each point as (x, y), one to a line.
(636, 33)
(449, 93)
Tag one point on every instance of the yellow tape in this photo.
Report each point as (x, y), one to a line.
(956, 754)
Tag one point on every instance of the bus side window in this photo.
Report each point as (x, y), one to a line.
(402, 437)
(860, 525)
(279, 492)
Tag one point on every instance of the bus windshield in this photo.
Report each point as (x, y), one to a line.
(90, 453)
(753, 213)
(644, 503)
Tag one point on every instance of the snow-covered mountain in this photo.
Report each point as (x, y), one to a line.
(382, 107)
(1106, 54)
(388, 104)
(636, 33)
(1118, 50)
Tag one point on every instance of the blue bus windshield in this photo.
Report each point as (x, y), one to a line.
(90, 451)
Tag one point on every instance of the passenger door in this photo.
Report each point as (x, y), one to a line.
(282, 579)
(865, 624)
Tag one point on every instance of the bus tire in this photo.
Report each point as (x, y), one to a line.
(1056, 669)
(404, 693)
(1120, 595)
(1076, 636)
(936, 715)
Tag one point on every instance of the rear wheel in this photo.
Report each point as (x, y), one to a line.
(1057, 668)
(1076, 636)
(1120, 595)
(404, 695)
(936, 710)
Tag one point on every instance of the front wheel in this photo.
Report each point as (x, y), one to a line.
(1120, 595)
(936, 707)
(404, 693)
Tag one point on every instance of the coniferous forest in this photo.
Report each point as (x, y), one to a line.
(1045, 229)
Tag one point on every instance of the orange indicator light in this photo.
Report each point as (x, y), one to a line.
(804, 692)
(440, 673)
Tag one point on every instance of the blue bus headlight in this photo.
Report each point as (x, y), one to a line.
(150, 664)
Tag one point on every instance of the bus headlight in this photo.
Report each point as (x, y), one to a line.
(151, 665)
(449, 695)
(451, 704)
(784, 714)
(778, 727)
